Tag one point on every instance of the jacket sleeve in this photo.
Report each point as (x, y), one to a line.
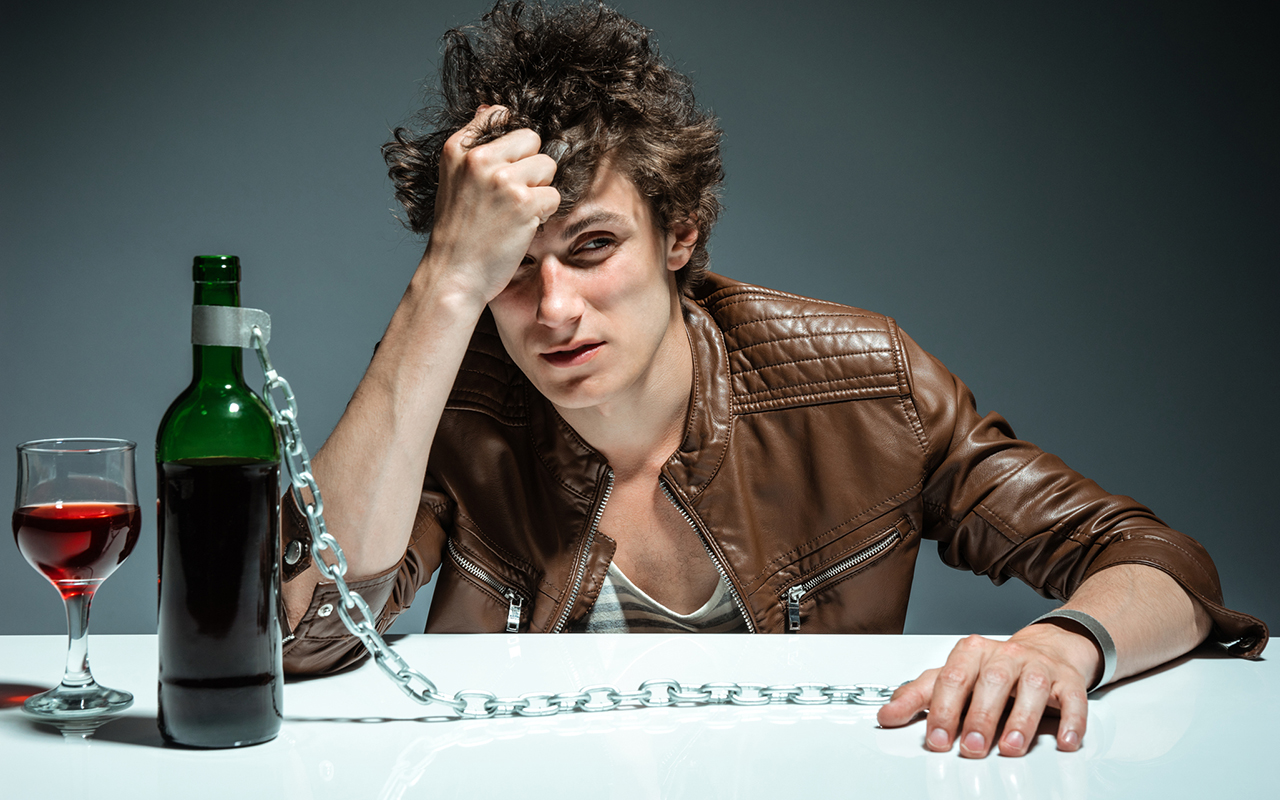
(1001, 507)
(320, 643)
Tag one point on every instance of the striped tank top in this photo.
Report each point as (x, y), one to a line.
(623, 607)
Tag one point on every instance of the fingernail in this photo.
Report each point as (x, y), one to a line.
(1071, 739)
(938, 739)
(1015, 740)
(974, 742)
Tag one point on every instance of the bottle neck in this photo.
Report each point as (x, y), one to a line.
(217, 364)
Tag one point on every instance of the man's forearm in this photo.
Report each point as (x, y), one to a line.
(1149, 616)
(370, 470)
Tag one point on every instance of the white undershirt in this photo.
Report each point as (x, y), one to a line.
(623, 607)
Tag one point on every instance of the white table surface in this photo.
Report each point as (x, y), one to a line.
(1199, 728)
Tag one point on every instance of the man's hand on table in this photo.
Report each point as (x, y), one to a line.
(1040, 667)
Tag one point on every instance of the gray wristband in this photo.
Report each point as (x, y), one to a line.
(1099, 635)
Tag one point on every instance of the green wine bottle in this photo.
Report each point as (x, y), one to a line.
(218, 479)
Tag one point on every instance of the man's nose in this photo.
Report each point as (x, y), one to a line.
(558, 300)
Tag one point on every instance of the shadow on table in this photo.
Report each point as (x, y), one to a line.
(135, 729)
(381, 720)
(1208, 651)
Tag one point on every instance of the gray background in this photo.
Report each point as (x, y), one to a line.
(1074, 206)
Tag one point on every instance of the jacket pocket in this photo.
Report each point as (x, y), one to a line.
(885, 541)
(516, 601)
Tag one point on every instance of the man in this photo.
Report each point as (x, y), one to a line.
(571, 419)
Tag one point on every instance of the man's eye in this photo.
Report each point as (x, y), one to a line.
(594, 245)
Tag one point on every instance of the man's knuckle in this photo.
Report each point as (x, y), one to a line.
(1015, 650)
(1019, 721)
(1036, 680)
(973, 642)
(1073, 694)
(458, 139)
(997, 676)
(953, 676)
(980, 718)
(475, 158)
(521, 197)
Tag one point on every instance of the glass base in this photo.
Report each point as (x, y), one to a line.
(77, 702)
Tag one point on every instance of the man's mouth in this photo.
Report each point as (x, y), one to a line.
(573, 357)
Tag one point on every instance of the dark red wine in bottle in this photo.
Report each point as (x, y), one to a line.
(220, 684)
(217, 474)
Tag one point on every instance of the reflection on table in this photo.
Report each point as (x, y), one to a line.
(1173, 732)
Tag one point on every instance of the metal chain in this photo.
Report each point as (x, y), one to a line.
(475, 704)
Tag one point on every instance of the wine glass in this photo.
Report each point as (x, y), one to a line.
(76, 519)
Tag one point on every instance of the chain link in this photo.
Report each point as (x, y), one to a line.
(476, 704)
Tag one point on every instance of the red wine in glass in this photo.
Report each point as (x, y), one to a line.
(75, 520)
(76, 545)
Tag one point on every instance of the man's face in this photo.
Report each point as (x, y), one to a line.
(593, 307)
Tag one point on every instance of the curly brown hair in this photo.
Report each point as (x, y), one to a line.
(584, 76)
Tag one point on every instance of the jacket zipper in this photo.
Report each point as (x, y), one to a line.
(724, 575)
(795, 593)
(581, 570)
(515, 600)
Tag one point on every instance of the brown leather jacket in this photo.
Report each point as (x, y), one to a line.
(822, 444)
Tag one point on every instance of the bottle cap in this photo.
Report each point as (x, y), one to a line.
(215, 269)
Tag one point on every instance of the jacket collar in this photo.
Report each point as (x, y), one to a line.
(710, 416)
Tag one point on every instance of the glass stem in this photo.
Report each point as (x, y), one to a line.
(77, 675)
